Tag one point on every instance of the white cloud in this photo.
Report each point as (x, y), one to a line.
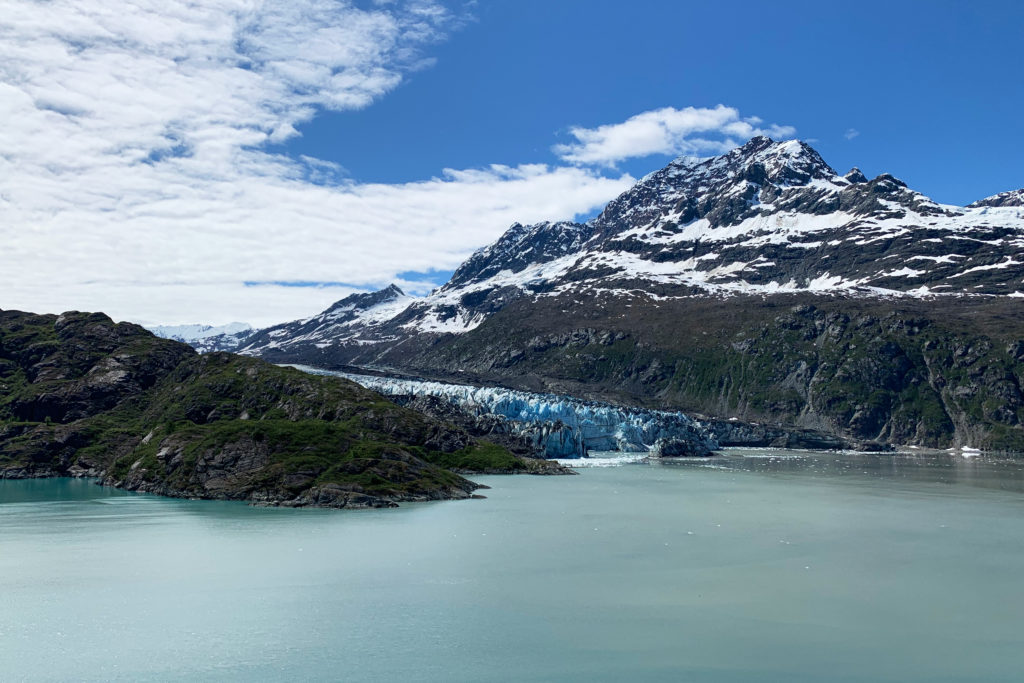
(134, 177)
(851, 133)
(190, 244)
(691, 130)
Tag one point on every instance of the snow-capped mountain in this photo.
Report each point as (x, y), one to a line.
(760, 285)
(766, 218)
(348, 321)
(205, 338)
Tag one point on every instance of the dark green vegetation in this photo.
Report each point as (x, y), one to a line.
(937, 372)
(80, 395)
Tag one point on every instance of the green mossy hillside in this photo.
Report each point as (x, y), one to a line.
(82, 395)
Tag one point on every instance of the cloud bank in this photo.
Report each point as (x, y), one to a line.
(691, 131)
(134, 176)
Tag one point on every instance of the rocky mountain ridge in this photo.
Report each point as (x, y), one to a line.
(346, 321)
(1011, 198)
(767, 218)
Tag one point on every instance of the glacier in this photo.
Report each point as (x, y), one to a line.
(560, 426)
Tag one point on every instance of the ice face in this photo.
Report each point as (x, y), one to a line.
(563, 426)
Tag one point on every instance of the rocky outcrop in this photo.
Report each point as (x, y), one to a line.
(77, 365)
(83, 396)
(679, 448)
(751, 434)
(1011, 198)
(238, 469)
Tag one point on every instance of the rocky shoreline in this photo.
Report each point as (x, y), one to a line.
(327, 496)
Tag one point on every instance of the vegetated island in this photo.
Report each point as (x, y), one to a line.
(83, 396)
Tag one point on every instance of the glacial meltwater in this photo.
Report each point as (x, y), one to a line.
(751, 566)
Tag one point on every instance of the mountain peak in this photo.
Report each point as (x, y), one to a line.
(855, 175)
(888, 178)
(756, 144)
(791, 162)
(761, 144)
(1011, 198)
(520, 246)
(365, 300)
(724, 189)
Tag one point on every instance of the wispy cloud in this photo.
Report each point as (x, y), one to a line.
(134, 176)
(851, 133)
(691, 130)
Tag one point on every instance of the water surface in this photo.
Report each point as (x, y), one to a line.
(753, 566)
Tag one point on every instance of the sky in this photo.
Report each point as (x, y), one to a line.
(184, 161)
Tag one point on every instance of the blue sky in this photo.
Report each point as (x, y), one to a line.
(183, 161)
(933, 90)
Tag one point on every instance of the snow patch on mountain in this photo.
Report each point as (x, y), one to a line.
(1011, 198)
(188, 333)
(205, 338)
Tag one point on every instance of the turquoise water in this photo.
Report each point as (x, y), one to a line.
(754, 566)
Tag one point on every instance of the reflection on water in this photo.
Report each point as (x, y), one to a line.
(754, 565)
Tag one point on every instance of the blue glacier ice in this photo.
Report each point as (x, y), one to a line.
(564, 427)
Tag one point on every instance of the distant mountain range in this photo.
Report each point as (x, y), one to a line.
(760, 284)
(205, 337)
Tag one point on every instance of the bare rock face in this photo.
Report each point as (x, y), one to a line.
(680, 448)
(86, 364)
